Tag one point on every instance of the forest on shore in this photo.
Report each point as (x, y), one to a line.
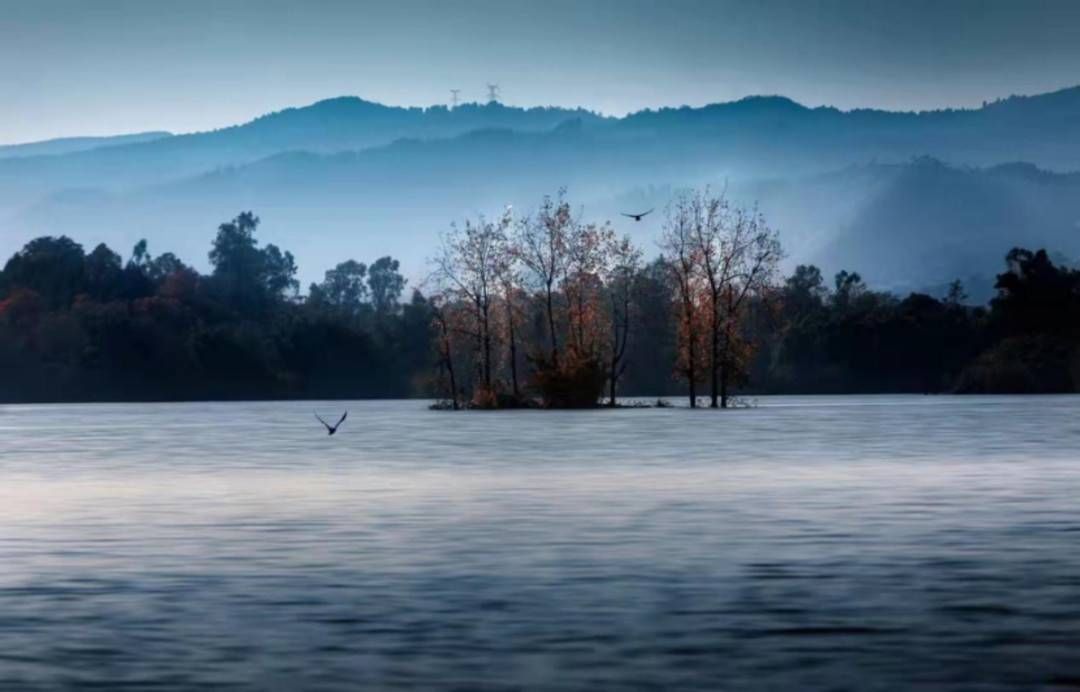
(546, 309)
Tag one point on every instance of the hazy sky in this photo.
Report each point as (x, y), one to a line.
(72, 67)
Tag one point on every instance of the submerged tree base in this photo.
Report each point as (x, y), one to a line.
(504, 403)
(536, 403)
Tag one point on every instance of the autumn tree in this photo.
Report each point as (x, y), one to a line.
(587, 247)
(751, 257)
(622, 266)
(540, 244)
(737, 256)
(469, 267)
(678, 244)
(514, 301)
(706, 218)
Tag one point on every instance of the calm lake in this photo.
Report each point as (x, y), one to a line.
(808, 542)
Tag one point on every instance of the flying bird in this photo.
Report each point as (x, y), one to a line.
(638, 217)
(331, 429)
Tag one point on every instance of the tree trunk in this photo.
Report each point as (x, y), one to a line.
(486, 325)
(551, 328)
(691, 373)
(691, 352)
(581, 319)
(487, 361)
(612, 379)
(714, 365)
(714, 337)
(513, 355)
(453, 381)
(724, 357)
(448, 359)
(723, 387)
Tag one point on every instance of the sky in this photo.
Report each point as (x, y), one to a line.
(81, 67)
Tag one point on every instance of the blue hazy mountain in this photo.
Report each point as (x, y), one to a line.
(70, 145)
(349, 178)
(340, 124)
(930, 221)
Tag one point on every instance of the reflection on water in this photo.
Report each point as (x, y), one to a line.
(868, 542)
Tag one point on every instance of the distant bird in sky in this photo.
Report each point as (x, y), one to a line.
(331, 429)
(638, 217)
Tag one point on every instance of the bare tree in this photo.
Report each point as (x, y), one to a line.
(749, 257)
(441, 322)
(708, 216)
(587, 246)
(677, 242)
(540, 244)
(620, 273)
(737, 254)
(504, 284)
(469, 266)
(513, 299)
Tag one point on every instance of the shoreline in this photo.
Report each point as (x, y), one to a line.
(676, 401)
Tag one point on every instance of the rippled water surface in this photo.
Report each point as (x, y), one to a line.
(845, 542)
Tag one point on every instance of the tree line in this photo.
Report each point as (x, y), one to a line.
(78, 326)
(545, 309)
(549, 309)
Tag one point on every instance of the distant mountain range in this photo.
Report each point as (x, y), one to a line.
(70, 145)
(910, 200)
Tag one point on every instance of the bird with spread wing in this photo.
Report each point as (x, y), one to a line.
(331, 429)
(638, 217)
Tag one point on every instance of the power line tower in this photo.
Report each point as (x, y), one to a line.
(493, 92)
(454, 97)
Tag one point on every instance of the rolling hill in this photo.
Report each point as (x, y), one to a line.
(907, 199)
(70, 145)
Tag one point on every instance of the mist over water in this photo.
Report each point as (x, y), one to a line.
(870, 542)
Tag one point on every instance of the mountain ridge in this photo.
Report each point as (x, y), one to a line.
(346, 170)
(69, 145)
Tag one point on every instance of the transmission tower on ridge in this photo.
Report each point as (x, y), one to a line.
(454, 97)
(493, 92)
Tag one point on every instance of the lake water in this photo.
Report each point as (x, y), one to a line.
(844, 542)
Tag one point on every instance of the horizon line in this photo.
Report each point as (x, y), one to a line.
(652, 109)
